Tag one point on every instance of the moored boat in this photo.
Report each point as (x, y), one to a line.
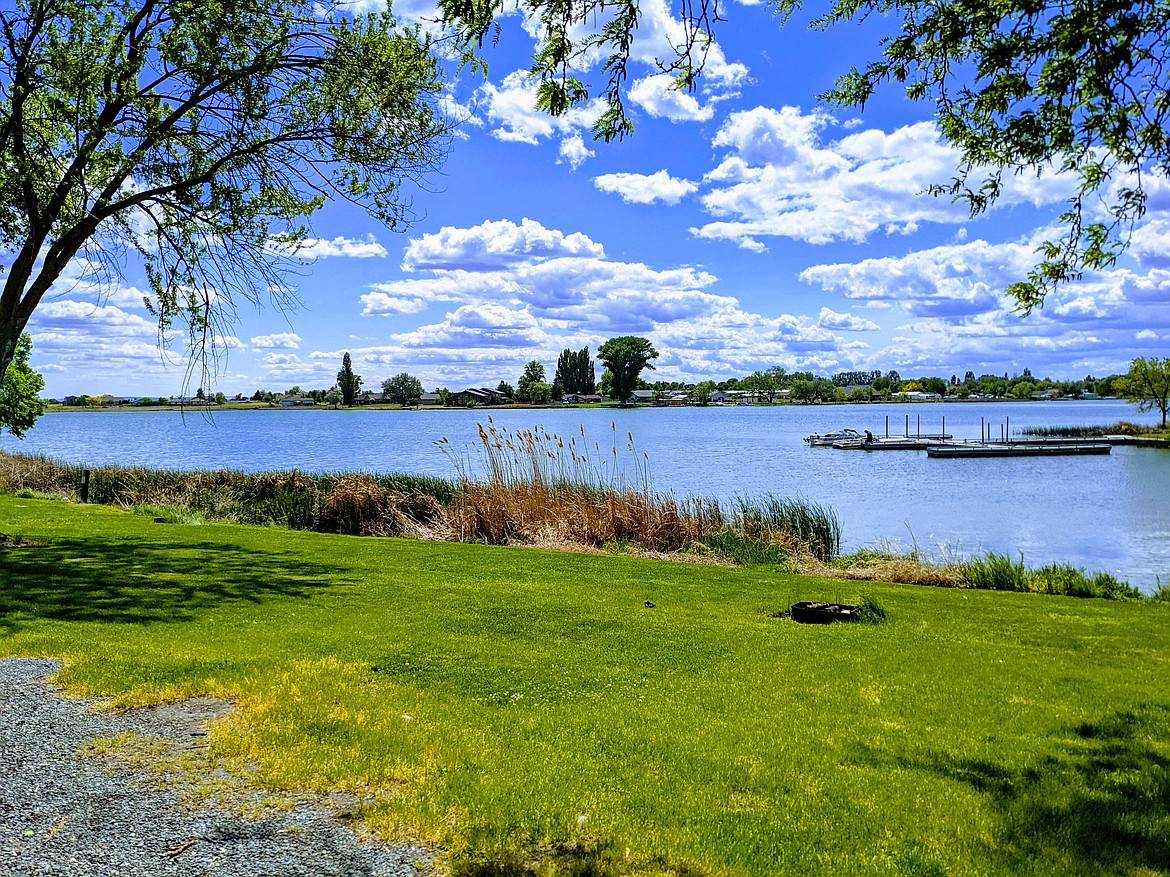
(826, 439)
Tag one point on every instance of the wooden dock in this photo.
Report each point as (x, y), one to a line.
(892, 443)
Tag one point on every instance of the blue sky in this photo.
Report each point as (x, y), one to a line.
(742, 227)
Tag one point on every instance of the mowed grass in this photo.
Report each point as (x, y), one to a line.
(526, 712)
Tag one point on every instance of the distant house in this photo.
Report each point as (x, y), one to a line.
(430, 399)
(920, 396)
(783, 394)
(479, 396)
(185, 400)
(739, 397)
(581, 398)
(641, 397)
(109, 401)
(369, 398)
(293, 400)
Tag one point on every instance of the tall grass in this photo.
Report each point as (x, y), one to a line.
(341, 503)
(998, 572)
(995, 572)
(1122, 427)
(771, 518)
(535, 456)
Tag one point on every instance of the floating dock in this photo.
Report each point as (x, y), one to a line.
(893, 443)
(1017, 449)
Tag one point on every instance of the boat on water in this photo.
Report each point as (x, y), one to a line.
(826, 439)
(1017, 449)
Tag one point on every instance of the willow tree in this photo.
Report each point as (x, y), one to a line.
(200, 136)
(1017, 86)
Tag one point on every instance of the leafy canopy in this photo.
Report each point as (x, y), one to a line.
(624, 358)
(1017, 86)
(199, 135)
(1147, 385)
(531, 384)
(575, 372)
(403, 389)
(20, 402)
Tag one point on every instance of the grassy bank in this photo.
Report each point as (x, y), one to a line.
(528, 713)
(543, 491)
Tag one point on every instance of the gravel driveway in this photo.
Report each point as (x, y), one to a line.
(63, 814)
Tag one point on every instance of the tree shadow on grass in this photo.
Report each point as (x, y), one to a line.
(1098, 804)
(143, 581)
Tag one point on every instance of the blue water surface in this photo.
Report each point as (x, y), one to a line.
(1100, 512)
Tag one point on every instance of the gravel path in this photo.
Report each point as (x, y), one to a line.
(63, 814)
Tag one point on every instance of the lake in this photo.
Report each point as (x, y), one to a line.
(1100, 512)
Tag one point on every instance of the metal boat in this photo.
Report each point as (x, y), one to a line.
(826, 439)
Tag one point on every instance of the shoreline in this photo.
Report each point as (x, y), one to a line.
(523, 406)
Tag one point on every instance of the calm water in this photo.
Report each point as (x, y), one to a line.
(1110, 513)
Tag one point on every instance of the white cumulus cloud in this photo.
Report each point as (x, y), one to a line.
(659, 97)
(574, 152)
(830, 319)
(782, 177)
(524, 291)
(646, 188)
(285, 340)
(319, 248)
(492, 245)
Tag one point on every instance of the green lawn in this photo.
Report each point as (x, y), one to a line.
(518, 707)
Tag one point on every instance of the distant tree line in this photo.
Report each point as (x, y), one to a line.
(626, 358)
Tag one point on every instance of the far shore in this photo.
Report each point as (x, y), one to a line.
(521, 406)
